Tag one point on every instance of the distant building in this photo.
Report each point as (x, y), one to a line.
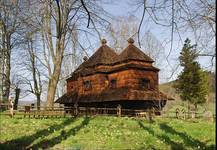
(109, 80)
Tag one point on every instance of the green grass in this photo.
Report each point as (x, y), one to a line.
(105, 133)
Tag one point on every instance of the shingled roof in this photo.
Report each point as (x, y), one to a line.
(107, 56)
(114, 95)
(103, 56)
(91, 71)
(131, 52)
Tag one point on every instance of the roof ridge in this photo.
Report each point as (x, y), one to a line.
(131, 52)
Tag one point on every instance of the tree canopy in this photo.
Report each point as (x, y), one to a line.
(193, 81)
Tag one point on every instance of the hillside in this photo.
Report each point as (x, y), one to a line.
(103, 132)
(209, 105)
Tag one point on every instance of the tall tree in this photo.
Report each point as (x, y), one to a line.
(9, 23)
(11, 19)
(33, 67)
(58, 21)
(28, 71)
(192, 82)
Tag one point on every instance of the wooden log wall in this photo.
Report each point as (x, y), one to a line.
(131, 78)
(126, 78)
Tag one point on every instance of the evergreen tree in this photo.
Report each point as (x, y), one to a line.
(192, 82)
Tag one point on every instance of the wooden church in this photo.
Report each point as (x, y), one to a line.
(108, 80)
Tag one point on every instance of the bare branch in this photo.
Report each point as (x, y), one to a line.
(88, 13)
(172, 32)
(140, 24)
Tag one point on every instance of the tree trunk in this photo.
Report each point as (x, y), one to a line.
(2, 63)
(57, 55)
(17, 95)
(188, 110)
(52, 85)
(7, 66)
(51, 92)
(195, 109)
(5, 63)
(1, 73)
(38, 96)
(7, 79)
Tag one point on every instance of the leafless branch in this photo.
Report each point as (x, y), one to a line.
(88, 13)
(140, 24)
(172, 32)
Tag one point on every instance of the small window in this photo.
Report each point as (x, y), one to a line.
(87, 85)
(145, 84)
(113, 83)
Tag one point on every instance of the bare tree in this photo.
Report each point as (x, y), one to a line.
(180, 14)
(9, 24)
(181, 18)
(58, 19)
(121, 30)
(126, 27)
(32, 66)
(153, 47)
(29, 69)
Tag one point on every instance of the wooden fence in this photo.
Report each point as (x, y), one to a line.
(46, 112)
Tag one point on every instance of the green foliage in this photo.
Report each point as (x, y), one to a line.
(103, 132)
(168, 88)
(188, 54)
(192, 83)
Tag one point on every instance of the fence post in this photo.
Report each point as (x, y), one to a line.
(184, 114)
(86, 111)
(119, 110)
(149, 115)
(11, 106)
(177, 113)
(76, 109)
(72, 111)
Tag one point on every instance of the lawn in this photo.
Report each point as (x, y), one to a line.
(105, 133)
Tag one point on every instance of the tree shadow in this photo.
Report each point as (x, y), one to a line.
(164, 138)
(24, 141)
(150, 147)
(64, 135)
(188, 140)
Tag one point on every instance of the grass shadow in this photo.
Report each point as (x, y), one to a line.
(63, 136)
(173, 145)
(188, 140)
(24, 141)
